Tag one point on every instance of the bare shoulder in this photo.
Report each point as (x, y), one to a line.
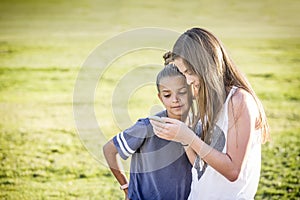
(243, 100)
(242, 96)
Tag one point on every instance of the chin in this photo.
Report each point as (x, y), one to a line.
(181, 115)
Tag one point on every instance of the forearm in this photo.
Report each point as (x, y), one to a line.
(221, 162)
(119, 175)
(110, 153)
(191, 154)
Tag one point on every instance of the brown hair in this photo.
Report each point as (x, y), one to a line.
(205, 56)
(170, 70)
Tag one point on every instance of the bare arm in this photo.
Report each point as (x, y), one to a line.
(191, 154)
(110, 153)
(241, 125)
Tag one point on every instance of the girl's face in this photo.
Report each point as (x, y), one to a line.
(191, 78)
(175, 95)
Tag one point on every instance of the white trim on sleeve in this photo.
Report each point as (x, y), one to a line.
(125, 143)
(121, 146)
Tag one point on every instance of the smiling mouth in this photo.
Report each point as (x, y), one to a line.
(176, 107)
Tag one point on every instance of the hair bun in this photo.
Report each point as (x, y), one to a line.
(168, 57)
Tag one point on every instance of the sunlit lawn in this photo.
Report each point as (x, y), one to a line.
(44, 44)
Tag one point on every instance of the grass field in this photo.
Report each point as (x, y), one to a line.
(43, 44)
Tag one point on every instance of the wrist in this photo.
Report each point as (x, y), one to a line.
(204, 149)
(189, 140)
(124, 187)
(126, 191)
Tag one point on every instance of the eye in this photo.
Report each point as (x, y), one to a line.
(166, 94)
(182, 92)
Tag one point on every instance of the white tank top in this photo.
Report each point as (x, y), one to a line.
(208, 184)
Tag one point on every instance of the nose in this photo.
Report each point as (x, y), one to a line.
(175, 99)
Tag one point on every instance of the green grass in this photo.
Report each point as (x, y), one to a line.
(44, 43)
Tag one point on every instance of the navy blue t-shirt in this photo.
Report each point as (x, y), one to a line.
(159, 168)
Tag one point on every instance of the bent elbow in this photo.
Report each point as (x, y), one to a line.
(234, 175)
(109, 150)
(106, 149)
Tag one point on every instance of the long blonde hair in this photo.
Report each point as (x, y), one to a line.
(205, 56)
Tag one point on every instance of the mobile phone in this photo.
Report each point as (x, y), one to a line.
(156, 118)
